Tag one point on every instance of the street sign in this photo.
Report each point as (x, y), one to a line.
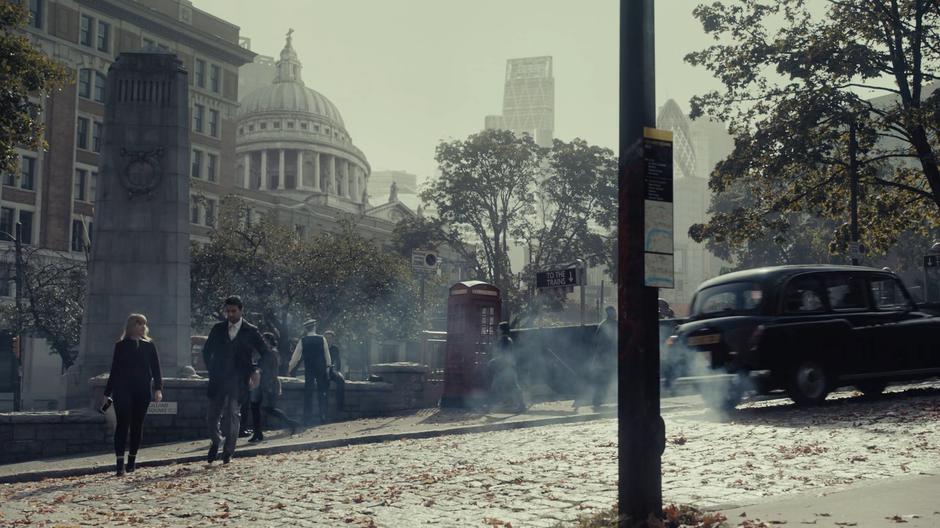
(557, 278)
(424, 261)
(932, 261)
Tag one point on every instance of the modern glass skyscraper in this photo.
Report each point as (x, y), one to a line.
(528, 100)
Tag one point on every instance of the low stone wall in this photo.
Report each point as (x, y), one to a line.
(30, 436)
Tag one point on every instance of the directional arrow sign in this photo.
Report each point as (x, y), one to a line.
(557, 278)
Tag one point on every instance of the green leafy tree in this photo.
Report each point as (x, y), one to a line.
(345, 281)
(798, 97)
(486, 187)
(576, 197)
(24, 71)
(497, 188)
(53, 301)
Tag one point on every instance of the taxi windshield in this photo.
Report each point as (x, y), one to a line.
(733, 298)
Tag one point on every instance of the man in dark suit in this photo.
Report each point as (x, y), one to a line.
(227, 354)
(315, 352)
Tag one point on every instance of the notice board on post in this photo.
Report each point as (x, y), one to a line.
(658, 233)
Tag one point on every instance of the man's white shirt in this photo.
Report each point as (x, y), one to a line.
(299, 352)
(233, 329)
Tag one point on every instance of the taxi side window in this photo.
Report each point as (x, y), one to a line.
(803, 296)
(888, 295)
(846, 292)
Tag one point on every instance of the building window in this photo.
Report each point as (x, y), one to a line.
(290, 124)
(84, 83)
(200, 77)
(264, 126)
(92, 187)
(78, 236)
(277, 124)
(214, 123)
(199, 115)
(211, 162)
(7, 216)
(193, 210)
(80, 185)
(210, 213)
(215, 73)
(251, 128)
(81, 133)
(26, 235)
(9, 179)
(28, 173)
(303, 126)
(100, 82)
(96, 136)
(7, 278)
(35, 13)
(84, 33)
(241, 131)
(197, 164)
(104, 36)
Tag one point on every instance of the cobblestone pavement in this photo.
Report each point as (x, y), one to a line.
(528, 477)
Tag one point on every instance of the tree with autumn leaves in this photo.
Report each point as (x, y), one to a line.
(813, 91)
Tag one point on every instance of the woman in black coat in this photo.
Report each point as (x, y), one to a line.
(135, 371)
(264, 396)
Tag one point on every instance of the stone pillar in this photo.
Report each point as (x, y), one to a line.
(316, 171)
(354, 193)
(281, 175)
(263, 186)
(140, 260)
(247, 181)
(346, 179)
(299, 182)
(333, 182)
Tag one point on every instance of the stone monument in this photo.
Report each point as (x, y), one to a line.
(140, 252)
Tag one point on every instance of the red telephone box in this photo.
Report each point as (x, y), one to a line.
(473, 314)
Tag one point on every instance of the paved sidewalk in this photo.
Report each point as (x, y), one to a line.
(911, 501)
(425, 423)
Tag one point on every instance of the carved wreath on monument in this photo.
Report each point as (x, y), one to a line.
(141, 174)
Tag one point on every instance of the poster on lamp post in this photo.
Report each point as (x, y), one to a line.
(658, 233)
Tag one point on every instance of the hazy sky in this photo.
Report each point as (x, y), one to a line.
(406, 74)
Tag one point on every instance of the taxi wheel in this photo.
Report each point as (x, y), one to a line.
(809, 383)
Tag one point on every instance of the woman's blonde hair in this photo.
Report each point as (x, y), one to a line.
(132, 321)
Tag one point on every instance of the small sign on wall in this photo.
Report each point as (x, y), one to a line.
(163, 407)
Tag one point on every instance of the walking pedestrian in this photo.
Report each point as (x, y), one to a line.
(336, 370)
(604, 360)
(264, 396)
(315, 352)
(135, 372)
(504, 373)
(228, 356)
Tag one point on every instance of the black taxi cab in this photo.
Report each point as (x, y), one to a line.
(804, 331)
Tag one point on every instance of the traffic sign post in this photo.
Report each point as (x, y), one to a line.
(425, 261)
